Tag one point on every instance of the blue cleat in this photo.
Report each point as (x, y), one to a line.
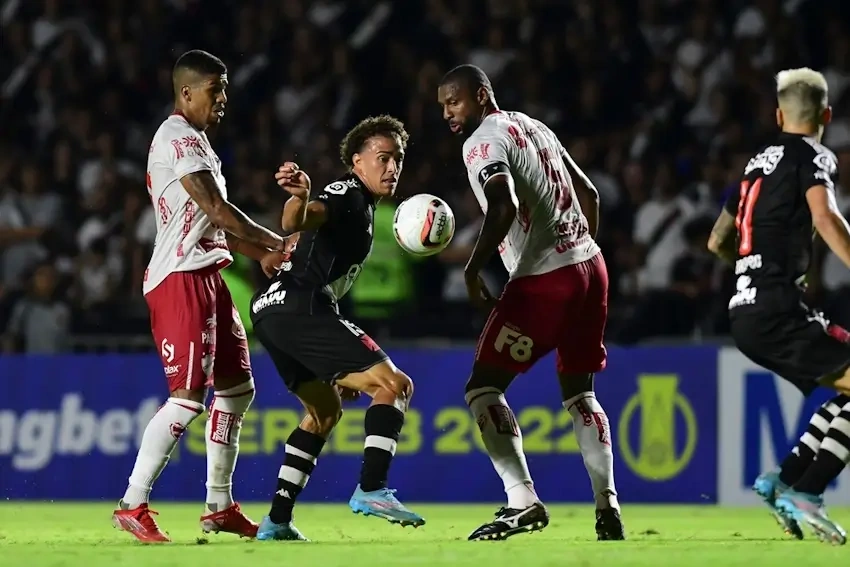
(383, 504)
(809, 509)
(269, 531)
(769, 487)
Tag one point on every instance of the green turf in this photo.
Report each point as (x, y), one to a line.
(43, 535)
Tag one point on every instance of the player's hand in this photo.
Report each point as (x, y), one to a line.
(271, 262)
(479, 295)
(347, 394)
(293, 180)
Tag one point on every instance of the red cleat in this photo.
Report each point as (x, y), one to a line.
(139, 522)
(230, 520)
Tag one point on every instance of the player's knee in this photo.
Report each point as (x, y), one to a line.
(322, 420)
(197, 395)
(489, 377)
(574, 384)
(399, 384)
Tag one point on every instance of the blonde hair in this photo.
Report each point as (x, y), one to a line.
(802, 94)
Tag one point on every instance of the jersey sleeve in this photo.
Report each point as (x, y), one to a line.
(486, 156)
(185, 151)
(821, 169)
(334, 197)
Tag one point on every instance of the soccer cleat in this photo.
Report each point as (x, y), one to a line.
(769, 487)
(382, 503)
(511, 521)
(139, 521)
(609, 525)
(809, 509)
(230, 520)
(269, 531)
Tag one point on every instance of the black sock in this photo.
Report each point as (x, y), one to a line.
(302, 450)
(803, 454)
(383, 426)
(833, 454)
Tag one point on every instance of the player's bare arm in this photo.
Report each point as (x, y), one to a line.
(829, 222)
(721, 242)
(270, 260)
(204, 190)
(502, 207)
(588, 195)
(299, 212)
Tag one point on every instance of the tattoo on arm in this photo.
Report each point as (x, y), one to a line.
(723, 236)
(203, 189)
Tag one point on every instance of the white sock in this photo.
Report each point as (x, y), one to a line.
(160, 437)
(222, 435)
(503, 440)
(593, 433)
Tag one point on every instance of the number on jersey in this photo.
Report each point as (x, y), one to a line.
(749, 194)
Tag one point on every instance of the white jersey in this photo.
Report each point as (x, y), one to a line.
(550, 230)
(186, 240)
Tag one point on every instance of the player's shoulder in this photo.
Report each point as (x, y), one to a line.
(174, 126)
(822, 156)
(345, 184)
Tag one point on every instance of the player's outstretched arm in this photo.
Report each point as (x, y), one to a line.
(204, 190)
(299, 212)
(502, 207)
(721, 242)
(829, 222)
(588, 195)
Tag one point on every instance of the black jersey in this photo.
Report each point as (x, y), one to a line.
(772, 217)
(326, 261)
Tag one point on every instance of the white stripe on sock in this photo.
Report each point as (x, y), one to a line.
(299, 453)
(820, 422)
(810, 441)
(378, 442)
(836, 448)
(293, 475)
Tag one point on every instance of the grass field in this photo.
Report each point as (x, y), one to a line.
(45, 535)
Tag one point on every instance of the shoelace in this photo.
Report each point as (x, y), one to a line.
(146, 517)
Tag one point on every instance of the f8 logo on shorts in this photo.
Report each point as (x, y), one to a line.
(520, 345)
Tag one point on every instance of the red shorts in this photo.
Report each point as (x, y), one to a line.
(197, 329)
(564, 310)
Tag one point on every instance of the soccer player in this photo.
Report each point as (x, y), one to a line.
(195, 325)
(321, 356)
(765, 232)
(541, 212)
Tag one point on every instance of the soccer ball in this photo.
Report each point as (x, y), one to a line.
(423, 225)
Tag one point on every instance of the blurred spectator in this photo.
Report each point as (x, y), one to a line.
(660, 101)
(40, 321)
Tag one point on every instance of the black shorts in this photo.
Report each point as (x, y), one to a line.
(319, 346)
(799, 345)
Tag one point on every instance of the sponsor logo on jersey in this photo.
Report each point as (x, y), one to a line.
(767, 160)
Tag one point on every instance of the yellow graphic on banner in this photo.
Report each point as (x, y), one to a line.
(658, 401)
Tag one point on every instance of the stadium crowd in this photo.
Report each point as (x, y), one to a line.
(661, 101)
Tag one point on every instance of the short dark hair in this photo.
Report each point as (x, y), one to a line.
(383, 125)
(201, 62)
(469, 76)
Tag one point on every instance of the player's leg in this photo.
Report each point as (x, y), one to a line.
(391, 391)
(580, 354)
(521, 329)
(822, 349)
(233, 393)
(804, 502)
(770, 485)
(323, 408)
(179, 307)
